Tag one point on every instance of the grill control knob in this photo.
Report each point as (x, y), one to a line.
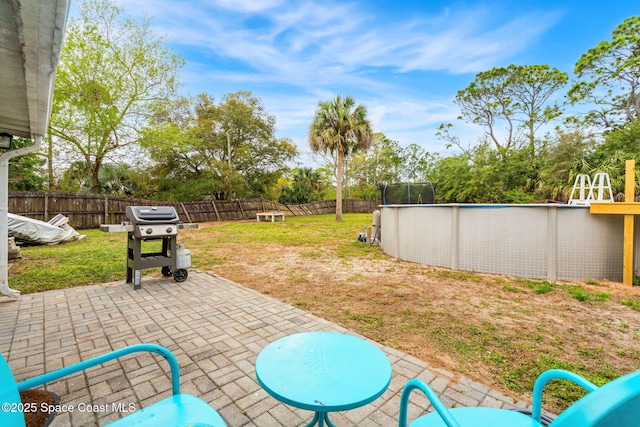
(149, 230)
(169, 229)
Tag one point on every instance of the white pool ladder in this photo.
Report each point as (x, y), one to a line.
(597, 191)
(583, 185)
(600, 188)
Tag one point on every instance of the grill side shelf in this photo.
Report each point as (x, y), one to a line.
(128, 228)
(116, 228)
(187, 226)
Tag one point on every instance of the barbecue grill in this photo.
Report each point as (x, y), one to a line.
(152, 223)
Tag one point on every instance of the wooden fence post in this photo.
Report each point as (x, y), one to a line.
(185, 212)
(106, 209)
(241, 210)
(46, 207)
(215, 210)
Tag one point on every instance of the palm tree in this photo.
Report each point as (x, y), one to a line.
(306, 186)
(340, 128)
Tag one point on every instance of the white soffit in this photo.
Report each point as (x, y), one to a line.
(31, 33)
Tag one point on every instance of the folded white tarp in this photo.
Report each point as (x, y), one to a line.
(39, 232)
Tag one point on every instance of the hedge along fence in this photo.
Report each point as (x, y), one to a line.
(90, 210)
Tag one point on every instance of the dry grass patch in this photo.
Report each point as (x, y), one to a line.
(499, 330)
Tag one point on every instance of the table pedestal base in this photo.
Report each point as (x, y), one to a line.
(319, 419)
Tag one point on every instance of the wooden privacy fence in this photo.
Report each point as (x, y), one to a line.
(90, 210)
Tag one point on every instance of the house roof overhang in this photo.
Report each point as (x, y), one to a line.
(31, 33)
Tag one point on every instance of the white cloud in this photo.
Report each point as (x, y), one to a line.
(308, 43)
(293, 54)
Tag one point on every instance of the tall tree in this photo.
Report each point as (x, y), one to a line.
(382, 163)
(340, 127)
(533, 87)
(415, 161)
(221, 151)
(611, 77)
(241, 133)
(114, 74)
(510, 103)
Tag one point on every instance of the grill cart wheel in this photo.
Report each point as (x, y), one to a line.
(180, 275)
(166, 271)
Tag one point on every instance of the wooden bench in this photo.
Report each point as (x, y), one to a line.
(271, 215)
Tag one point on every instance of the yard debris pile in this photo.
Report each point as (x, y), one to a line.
(36, 232)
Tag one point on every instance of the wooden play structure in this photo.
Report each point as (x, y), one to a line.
(629, 208)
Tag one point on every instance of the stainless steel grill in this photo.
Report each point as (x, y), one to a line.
(151, 223)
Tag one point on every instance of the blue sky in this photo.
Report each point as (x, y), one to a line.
(404, 60)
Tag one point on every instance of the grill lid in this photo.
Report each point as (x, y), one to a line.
(151, 214)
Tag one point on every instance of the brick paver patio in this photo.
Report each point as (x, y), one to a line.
(215, 327)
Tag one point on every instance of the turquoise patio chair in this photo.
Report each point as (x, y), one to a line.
(176, 410)
(615, 404)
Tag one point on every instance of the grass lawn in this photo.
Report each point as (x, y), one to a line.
(499, 330)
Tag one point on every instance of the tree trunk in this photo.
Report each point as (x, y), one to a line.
(95, 180)
(339, 178)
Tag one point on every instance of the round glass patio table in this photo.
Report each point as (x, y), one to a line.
(323, 372)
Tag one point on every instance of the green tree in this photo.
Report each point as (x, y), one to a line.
(26, 172)
(386, 162)
(226, 150)
(340, 128)
(611, 77)
(485, 175)
(117, 180)
(381, 163)
(415, 163)
(610, 156)
(243, 134)
(511, 104)
(469, 177)
(114, 74)
(557, 161)
(74, 179)
(307, 185)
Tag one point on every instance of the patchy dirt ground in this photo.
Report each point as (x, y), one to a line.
(499, 330)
